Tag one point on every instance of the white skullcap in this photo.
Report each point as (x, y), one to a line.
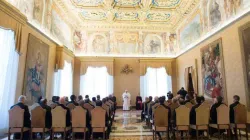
(21, 99)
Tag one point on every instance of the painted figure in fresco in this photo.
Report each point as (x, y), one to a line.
(35, 79)
(98, 44)
(172, 44)
(78, 41)
(215, 14)
(38, 10)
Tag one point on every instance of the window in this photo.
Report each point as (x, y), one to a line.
(8, 73)
(95, 82)
(63, 81)
(155, 82)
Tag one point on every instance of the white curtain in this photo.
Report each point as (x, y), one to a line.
(156, 82)
(8, 73)
(63, 81)
(96, 81)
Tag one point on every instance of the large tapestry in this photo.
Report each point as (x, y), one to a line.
(213, 79)
(245, 36)
(35, 69)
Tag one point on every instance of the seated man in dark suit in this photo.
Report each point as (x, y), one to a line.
(187, 99)
(98, 98)
(236, 101)
(79, 99)
(213, 113)
(87, 101)
(146, 107)
(161, 101)
(151, 109)
(193, 114)
(26, 120)
(202, 99)
(73, 100)
(48, 116)
(68, 117)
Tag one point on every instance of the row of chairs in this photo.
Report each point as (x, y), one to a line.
(160, 120)
(78, 119)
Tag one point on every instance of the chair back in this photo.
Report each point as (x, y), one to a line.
(173, 106)
(78, 117)
(189, 105)
(161, 116)
(222, 114)
(16, 117)
(58, 117)
(206, 104)
(202, 115)
(53, 105)
(193, 101)
(71, 106)
(182, 115)
(106, 107)
(240, 114)
(98, 117)
(38, 117)
(88, 107)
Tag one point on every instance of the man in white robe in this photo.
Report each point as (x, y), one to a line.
(126, 100)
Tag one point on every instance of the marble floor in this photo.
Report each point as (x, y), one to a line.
(128, 126)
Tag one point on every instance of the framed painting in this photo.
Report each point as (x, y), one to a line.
(212, 68)
(244, 33)
(35, 69)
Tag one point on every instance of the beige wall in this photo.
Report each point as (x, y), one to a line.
(232, 60)
(122, 81)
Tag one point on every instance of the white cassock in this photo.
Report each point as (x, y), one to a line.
(126, 101)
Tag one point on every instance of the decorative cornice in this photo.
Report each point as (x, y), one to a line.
(96, 59)
(65, 50)
(13, 12)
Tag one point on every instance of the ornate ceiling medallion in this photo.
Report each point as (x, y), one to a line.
(165, 3)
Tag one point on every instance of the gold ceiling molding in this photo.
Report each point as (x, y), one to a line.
(62, 53)
(155, 63)
(96, 62)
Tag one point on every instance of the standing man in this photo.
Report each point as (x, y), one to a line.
(126, 100)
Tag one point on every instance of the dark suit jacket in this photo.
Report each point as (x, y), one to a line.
(213, 113)
(231, 112)
(26, 120)
(193, 114)
(146, 108)
(183, 93)
(151, 110)
(48, 116)
(68, 117)
(75, 103)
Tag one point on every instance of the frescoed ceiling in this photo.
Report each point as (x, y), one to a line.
(156, 14)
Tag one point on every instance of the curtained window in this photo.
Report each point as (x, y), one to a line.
(156, 82)
(8, 73)
(96, 81)
(63, 81)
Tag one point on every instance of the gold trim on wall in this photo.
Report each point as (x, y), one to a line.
(62, 53)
